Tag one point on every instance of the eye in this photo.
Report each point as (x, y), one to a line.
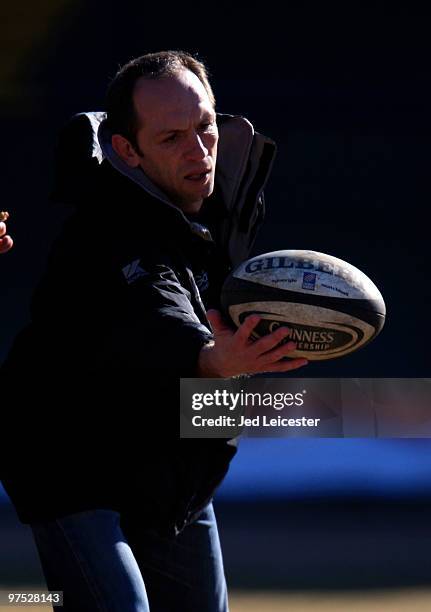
(206, 126)
(171, 138)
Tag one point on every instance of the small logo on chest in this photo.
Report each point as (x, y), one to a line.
(133, 271)
(202, 281)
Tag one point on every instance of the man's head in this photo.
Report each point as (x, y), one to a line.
(160, 109)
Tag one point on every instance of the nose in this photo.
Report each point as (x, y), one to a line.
(196, 150)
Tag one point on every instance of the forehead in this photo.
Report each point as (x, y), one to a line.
(172, 99)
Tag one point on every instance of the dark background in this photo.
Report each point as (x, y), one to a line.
(345, 92)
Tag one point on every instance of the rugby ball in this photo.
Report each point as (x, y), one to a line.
(331, 307)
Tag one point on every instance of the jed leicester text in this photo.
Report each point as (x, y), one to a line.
(257, 421)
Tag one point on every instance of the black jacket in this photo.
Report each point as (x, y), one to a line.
(117, 319)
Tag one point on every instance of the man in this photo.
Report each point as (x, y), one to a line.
(168, 198)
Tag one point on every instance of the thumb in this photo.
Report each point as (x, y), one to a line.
(217, 322)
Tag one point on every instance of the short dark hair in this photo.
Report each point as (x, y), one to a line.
(120, 109)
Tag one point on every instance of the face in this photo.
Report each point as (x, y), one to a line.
(178, 137)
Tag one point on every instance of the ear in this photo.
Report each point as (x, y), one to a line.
(124, 149)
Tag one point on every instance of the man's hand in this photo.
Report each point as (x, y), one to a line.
(233, 353)
(6, 242)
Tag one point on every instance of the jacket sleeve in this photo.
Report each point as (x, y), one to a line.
(154, 328)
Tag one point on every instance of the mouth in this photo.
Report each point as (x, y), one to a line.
(198, 177)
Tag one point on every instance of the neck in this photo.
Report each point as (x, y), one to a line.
(191, 208)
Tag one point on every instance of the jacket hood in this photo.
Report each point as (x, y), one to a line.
(244, 162)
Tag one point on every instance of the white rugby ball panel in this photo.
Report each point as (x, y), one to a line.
(308, 271)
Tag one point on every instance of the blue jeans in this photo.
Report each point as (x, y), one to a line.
(88, 556)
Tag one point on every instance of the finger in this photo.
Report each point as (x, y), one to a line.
(244, 331)
(285, 366)
(268, 342)
(276, 354)
(217, 322)
(2, 229)
(6, 243)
